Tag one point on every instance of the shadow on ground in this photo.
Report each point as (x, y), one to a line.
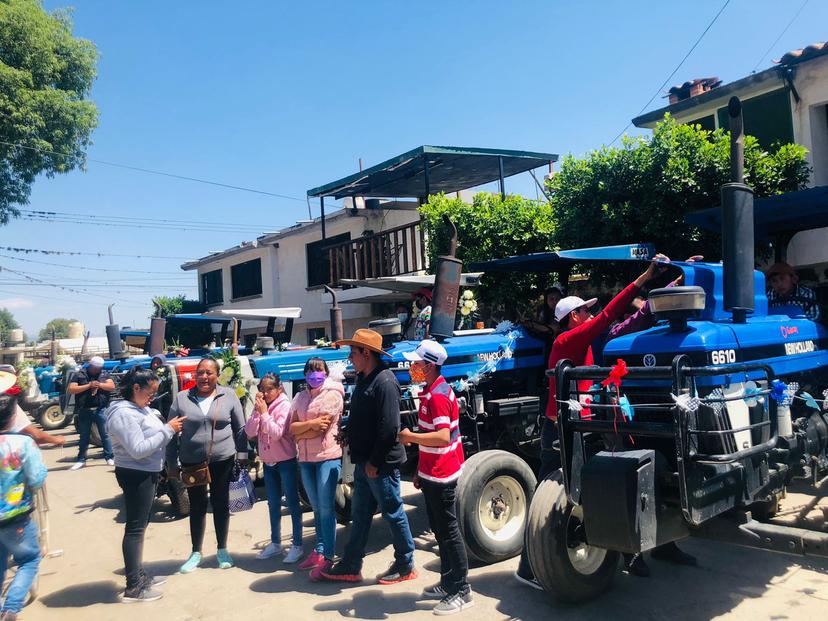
(84, 594)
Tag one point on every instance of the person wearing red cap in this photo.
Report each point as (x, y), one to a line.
(422, 300)
(785, 291)
(22, 473)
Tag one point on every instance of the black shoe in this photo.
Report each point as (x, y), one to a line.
(452, 604)
(671, 553)
(635, 566)
(153, 581)
(141, 594)
(397, 574)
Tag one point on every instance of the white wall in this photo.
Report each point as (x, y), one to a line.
(284, 271)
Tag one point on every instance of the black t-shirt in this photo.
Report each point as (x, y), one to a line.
(374, 420)
(86, 400)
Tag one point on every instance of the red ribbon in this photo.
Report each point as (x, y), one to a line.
(619, 370)
(13, 390)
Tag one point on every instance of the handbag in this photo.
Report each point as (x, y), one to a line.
(195, 476)
(242, 494)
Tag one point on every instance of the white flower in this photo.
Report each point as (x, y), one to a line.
(464, 311)
(468, 295)
(468, 304)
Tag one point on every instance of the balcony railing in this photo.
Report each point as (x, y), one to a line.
(392, 252)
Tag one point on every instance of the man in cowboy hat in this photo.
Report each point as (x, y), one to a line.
(22, 473)
(373, 427)
(785, 291)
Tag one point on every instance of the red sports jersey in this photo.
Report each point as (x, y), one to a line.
(438, 410)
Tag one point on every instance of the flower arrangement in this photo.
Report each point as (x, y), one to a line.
(467, 307)
(230, 374)
(65, 363)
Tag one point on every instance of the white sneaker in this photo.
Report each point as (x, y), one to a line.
(77, 465)
(293, 555)
(270, 551)
(110, 462)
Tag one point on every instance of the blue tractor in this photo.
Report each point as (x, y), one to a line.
(715, 412)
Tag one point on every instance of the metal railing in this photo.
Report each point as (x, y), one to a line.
(393, 252)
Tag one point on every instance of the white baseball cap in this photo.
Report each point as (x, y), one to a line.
(571, 303)
(428, 351)
(96, 361)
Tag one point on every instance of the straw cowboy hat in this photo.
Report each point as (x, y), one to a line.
(367, 339)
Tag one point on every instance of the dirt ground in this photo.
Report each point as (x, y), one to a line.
(84, 580)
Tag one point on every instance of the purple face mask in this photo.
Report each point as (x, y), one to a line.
(315, 378)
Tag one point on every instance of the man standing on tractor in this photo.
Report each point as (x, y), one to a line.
(438, 470)
(785, 290)
(578, 331)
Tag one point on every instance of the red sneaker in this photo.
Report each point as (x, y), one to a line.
(338, 573)
(396, 574)
(314, 560)
(316, 572)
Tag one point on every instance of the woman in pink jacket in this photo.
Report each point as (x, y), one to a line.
(314, 419)
(270, 426)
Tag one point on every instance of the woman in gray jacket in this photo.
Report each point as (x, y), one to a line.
(213, 432)
(138, 439)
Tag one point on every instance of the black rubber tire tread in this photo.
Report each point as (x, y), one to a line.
(545, 543)
(478, 470)
(180, 501)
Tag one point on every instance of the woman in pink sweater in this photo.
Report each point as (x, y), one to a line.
(314, 419)
(270, 426)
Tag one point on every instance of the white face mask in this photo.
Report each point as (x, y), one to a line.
(403, 317)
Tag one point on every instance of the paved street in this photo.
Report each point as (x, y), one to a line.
(87, 524)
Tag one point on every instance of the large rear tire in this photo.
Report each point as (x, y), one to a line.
(563, 562)
(493, 497)
(95, 436)
(342, 502)
(50, 416)
(179, 499)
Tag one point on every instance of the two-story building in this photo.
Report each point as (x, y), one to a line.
(290, 267)
(371, 238)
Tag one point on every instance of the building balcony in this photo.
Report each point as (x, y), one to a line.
(393, 252)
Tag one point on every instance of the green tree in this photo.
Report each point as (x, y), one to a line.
(60, 327)
(491, 228)
(7, 322)
(45, 119)
(641, 191)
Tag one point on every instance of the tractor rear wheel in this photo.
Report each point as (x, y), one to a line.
(562, 560)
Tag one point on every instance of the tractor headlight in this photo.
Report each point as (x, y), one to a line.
(677, 299)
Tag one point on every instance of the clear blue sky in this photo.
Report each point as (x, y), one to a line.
(287, 96)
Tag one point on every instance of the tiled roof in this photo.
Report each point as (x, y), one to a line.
(803, 54)
(708, 83)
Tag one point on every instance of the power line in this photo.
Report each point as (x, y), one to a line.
(86, 254)
(670, 77)
(161, 173)
(151, 221)
(84, 267)
(781, 34)
(54, 299)
(166, 227)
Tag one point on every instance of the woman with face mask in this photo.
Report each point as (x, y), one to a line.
(314, 416)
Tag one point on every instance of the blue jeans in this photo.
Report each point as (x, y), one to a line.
(280, 479)
(20, 541)
(85, 419)
(320, 479)
(383, 491)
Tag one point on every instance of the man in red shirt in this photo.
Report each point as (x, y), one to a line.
(439, 468)
(579, 329)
